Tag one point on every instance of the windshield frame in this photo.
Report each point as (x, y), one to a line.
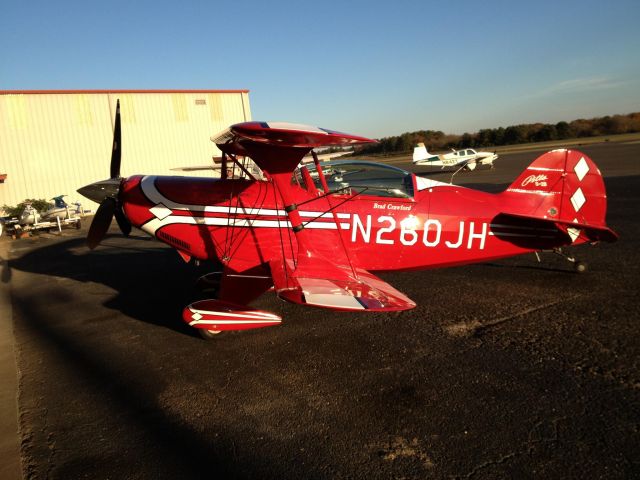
(359, 177)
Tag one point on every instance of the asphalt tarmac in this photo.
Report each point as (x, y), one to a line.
(507, 369)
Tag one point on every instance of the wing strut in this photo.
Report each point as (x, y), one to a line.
(323, 181)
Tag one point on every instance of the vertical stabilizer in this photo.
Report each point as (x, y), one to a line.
(420, 153)
(563, 186)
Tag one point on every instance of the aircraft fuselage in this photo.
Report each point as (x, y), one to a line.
(243, 223)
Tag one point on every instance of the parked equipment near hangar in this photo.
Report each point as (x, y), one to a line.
(316, 234)
(59, 216)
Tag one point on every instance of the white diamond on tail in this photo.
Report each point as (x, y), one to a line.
(573, 233)
(581, 168)
(578, 199)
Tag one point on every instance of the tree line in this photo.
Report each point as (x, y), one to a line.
(512, 135)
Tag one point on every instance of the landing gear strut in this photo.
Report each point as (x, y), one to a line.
(578, 266)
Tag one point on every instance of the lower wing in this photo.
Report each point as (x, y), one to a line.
(340, 288)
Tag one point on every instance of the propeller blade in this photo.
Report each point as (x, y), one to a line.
(101, 222)
(116, 152)
(123, 222)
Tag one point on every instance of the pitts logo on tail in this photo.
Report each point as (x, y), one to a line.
(537, 180)
(316, 237)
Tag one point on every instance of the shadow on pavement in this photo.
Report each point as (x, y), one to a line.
(150, 282)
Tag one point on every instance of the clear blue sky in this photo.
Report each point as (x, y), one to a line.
(367, 67)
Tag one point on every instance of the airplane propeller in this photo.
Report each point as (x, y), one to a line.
(116, 151)
(106, 192)
(101, 222)
(123, 223)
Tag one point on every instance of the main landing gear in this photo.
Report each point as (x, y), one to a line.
(208, 285)
(208, 334)
(211, 315)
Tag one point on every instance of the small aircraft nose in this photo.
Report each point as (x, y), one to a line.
(98, 191)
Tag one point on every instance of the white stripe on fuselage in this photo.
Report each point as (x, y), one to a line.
(153, 194)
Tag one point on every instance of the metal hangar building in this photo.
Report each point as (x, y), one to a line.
(53, 142)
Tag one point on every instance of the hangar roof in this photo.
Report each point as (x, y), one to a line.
(55, 92)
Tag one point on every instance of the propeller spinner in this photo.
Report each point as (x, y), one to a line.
(106, 192)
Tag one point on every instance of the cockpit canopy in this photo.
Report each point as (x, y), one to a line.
(365, 178)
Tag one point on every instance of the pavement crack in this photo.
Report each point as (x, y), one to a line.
(543, 432)
(477, 328)
(490, 463)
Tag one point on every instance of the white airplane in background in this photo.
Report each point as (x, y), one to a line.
(325, 157)
(321, 157)
(467, 158)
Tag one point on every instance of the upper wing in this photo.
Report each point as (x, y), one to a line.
(282, 134)
(278, 147)
(196, 168)
(339, 287)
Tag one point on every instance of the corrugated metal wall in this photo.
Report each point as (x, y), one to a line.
(53, 143)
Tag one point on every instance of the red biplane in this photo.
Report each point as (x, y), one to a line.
(316, 233)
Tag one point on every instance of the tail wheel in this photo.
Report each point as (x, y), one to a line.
(580, 267)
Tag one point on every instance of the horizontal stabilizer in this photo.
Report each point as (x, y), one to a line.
(589, 232)
(528, 231)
